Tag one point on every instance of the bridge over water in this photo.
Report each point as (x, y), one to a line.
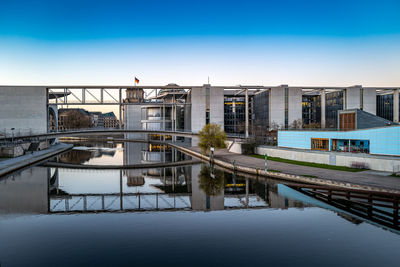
(102, 131)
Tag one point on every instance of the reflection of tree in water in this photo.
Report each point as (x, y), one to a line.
(211, 186)
(76, 156)
(91, 143)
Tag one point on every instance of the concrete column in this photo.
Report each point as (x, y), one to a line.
(344, 99)
(217, 106)
(120, 116)
(163, 117)
(369, 100)
(353, 97)
(247, 113)
(198, 109)
(120, 108)
(323, 108)
(396, 105)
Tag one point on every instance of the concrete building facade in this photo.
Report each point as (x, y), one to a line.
(26, 108)
(23, 108)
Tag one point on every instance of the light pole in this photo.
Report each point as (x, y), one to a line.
(265, 157)
(12, 135)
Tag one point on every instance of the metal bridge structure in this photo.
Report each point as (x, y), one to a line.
(130, 202)
(117, 95)
(93, 132)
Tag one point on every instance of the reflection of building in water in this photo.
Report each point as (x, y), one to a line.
(26, 191)
(218, 190)
(132, 156)
(153, 153)
(89, 143)
(173, 179)
(279, 200)
(200, 199)
(135, 181)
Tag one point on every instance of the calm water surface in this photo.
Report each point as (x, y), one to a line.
(178, 216)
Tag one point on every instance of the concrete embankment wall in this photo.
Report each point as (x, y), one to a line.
(234, 147)
(378, 163)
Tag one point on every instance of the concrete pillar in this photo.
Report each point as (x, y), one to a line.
(323, 108)
(396, 105)
(369, 100)
(344, 99)
(163, 116)
(120, 108)
(277, 107)
(120, 116)
(198, 109)
(295, 106)
(247, 113)
(217, 106)
(353, 97)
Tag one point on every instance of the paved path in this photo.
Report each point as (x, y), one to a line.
(12, 164)
(368, 178)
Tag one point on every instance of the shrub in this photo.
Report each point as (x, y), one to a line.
(211, 136)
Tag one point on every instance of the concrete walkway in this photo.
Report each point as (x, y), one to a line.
(12, 164)
(367, 178)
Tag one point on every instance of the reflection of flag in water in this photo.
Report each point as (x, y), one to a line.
(136, 80)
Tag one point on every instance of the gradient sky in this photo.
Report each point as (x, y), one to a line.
(233, 42)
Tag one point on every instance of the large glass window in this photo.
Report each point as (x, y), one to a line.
(286, 107)
(384, 106)
(334, 103)
(261, 113)
(234, 115)
(320, 144)
(311, 108)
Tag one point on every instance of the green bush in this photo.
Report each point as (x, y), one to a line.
(211, 136)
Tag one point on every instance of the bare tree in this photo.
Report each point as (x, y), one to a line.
(297, 124)
(75, 119)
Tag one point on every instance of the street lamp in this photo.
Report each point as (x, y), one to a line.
(12, 135)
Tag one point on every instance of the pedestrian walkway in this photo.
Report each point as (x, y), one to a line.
(12, 164)
(367, 178)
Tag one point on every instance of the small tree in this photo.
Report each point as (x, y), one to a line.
(76, 119)
(211, 136)
(297, 124)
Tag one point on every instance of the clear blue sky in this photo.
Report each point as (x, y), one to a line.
(234, 42)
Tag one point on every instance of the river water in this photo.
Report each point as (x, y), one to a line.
(189, 215)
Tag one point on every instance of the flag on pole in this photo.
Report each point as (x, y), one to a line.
(136, 80)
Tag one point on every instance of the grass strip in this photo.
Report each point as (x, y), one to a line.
(273, 170)
(311, 164)
(309, 176)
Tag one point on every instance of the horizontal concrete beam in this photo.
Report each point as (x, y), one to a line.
(111, 131)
